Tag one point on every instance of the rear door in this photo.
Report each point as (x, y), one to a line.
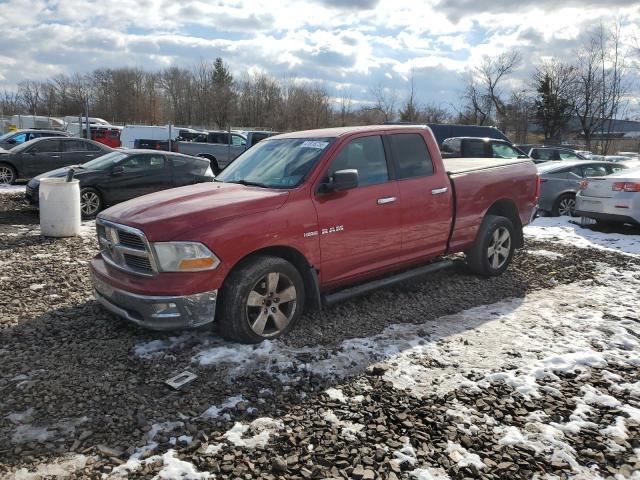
(76, 151)
(45, 155)
(359, 229)
(425, 196)
(137, 175)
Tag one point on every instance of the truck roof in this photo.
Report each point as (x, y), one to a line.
(342, 131)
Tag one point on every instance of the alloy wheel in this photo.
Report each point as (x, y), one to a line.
(6, 175)
(499, 248)
(271, 304)
(89, 203)
(567, 206)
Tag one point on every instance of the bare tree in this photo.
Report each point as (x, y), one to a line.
(385, 102)
(491, 74)
(29, 92)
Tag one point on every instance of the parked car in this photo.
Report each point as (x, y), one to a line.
(13, 139)
(152, 136)
(632, 155)
(123, 175)
(560, 182)
(298, 217)
(612, 199)
(619, 159)
(44, 154)
(472, 147)
(442, 131)
(221, 148)
(546, 154)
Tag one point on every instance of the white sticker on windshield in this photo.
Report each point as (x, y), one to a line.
(312, 144)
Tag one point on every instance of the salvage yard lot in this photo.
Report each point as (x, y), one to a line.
(533, 374)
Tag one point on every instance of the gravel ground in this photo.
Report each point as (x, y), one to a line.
(74, 378)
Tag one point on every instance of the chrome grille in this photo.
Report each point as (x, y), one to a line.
(125, 248)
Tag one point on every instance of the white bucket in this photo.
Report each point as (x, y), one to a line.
(59, 207)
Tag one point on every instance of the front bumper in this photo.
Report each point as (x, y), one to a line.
(31, 195)
(157, 312)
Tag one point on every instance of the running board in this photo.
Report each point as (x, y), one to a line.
(333, 298)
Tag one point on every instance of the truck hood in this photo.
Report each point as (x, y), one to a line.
(171, 213)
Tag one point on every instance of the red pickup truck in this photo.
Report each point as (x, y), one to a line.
(307, 218)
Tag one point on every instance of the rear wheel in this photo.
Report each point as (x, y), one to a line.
(565, 205)
(8, 175)
(494, 247)
(90, 202)
(261, 299)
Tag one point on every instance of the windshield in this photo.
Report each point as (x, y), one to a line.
(105, 161)
(6, 135)
(276, 163)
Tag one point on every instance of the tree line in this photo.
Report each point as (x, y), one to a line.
(591, 88)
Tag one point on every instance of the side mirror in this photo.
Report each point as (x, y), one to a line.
(117, 170)
(342, 180)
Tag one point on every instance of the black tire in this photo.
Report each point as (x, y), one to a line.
(478, 255)
(235, 315)
(8, 174)
(559, 205)
(90, 197)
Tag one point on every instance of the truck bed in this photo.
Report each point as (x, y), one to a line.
(458, 166)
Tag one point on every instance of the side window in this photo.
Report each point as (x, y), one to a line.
(46, 146)
(576, 172)
(238, 140)
(365, 154)
(140, 163)
(544, 154)
(20, 138)
(92, 148)
(500, 150)
(411, 155)
(615, 168)
(473, 148)
(179, 162)
(564, 155)
(452, 146)
(32, 135)
(74, 146)
(594, 170)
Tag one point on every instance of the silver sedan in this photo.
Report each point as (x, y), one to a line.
(611, 199)
(560, 181)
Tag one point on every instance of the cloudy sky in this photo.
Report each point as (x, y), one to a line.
(349, 46)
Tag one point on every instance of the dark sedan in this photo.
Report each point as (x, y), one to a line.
(13, 139)
(126, 174)
(45, 154)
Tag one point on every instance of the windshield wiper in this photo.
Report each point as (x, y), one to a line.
(250, 184)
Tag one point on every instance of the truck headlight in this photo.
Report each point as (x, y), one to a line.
(184, 257)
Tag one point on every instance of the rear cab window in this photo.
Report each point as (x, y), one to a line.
(411, 155)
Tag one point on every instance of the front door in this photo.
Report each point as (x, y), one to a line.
(137, 175)
(359, 229)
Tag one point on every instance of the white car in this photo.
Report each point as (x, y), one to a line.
(611, 199)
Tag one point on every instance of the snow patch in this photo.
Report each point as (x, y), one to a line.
(255, 434)
(215, 410)
(60, 469)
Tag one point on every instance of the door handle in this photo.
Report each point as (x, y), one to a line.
(55, 156)
(385, 200)
(89, 155)
(437, 191)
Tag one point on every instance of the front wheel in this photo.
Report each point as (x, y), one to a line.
(90, 202)
(494, 247)
(261, 299)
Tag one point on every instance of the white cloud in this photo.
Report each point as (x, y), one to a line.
(348, 45)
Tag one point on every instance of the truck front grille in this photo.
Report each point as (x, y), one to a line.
(125, 248)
